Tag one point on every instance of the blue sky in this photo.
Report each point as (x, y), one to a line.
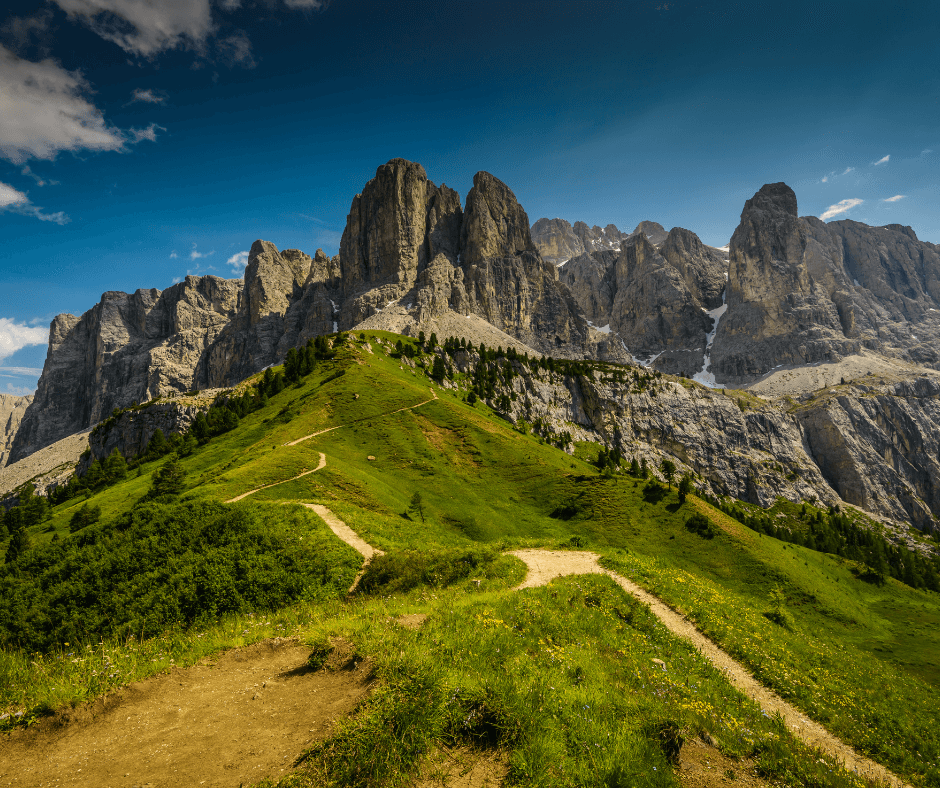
(142, 141)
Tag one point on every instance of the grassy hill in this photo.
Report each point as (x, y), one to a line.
(560, 678)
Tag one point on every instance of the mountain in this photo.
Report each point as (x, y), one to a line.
(559, 241)
(411, 259)
(654, 298)
(12, 409)
(803, 292)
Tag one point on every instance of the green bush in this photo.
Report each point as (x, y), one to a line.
(163, 565)
(402, 571)
(699, 524)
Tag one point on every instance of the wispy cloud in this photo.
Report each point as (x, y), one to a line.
(173, 255)
(894, 199)
(19, 371)
(149, 133)
(195, 255)
(145, 28)
(15, 336)
(19, 391)
(40, 181)
(16, 201)
(238, 261)
(148, 96)
(848, 170)
(840, 207)
(236, 50)
(884, 160)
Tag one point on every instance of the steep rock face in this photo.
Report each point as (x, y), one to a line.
(591, 278)
(879, 446)
(653, 299)
(399, 224)
(12, 409)
(702, 268)
(597, 239)
(507, 282)
(655, 233)
(274, 282)
(409, 247)
(801, 291)
(128, 348)
(655, 312)
(556, 241)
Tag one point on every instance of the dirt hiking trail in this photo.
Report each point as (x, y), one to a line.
(238, 718)
(545, 565)
(322, 463)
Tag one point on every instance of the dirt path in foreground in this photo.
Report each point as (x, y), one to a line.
(240, 718)
(545, 565)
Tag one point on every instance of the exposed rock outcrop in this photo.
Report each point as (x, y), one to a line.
(801, 291)
(556, 241)
(653, 299)
(12, 409)
(878, 444)
(128, 348)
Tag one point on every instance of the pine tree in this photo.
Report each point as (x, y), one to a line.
(685, 487)
(417, 506)
(169, 480)
(668, 468)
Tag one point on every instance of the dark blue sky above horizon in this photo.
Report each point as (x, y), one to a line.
(263, 120)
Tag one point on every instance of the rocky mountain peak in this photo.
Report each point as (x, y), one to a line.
(654, 231)
(773, 197)
(494, 225)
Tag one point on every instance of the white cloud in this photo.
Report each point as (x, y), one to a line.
(149, 133)
(177, 280)
(43, 111)
(825, 179)
(840, 207)
(19, 391)
(15, 336)
(9, 371)
(848, 170)
(17, 202)
(145, 27)
(148, 96)
(238, 261)
(884, 160)
(173, 255)
(894, 199)
(194, 255)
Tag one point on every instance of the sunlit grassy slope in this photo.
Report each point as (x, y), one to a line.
(860, 658)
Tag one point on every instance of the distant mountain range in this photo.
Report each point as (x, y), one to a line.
(790, 292)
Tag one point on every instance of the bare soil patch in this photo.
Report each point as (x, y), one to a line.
(703, 766)
(243, 717)
(460, 768)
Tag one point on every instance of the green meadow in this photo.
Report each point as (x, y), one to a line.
(560, 679)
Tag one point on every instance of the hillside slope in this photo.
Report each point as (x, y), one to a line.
(485, 484)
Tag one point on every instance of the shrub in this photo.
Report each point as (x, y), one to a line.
(699, 524)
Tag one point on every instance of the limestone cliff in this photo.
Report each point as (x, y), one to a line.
(12, 409)
(801, 291)
(128, 348)
(653, 299)
(874, 443)
(409, 248)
